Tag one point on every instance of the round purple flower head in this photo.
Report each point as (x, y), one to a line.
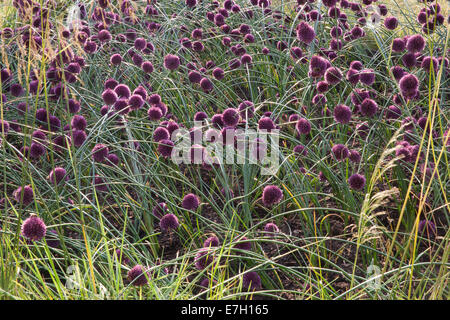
(57, 175)
(305, 33)
(409, 85)
(99, 152)
(109, 96)
(367, 77)
(24, 194)
(391, 23)
(112, 159)
(303, 126)
(354, 156)
(357, 181)
(368, 107)
(169, 222)
(78, 122)
(138, 276)
(115, 59)
(340, 151)
(317, 66)
(243, 244)
(251, 281)
(206, 84)
(415, 43)
(33, 228)
(230, 117)
(265, 123)
(271, 228)
(342, 113)
(171, 62)
(333, 75)
(203, 258)
(271, 195)
(212, 241)
(218, 73)
(190, 202)
(79, 137)
(154, 113)
(165, 147)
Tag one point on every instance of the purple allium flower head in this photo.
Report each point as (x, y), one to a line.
(368, 107)
(104, 36)
(136, 102)
(303, 126)
(99, 152)
(409, 60)
(24, 194)
(340, 152)
(212, 241)
(169, 222)
(154, 98)
(110, 84)
(391, 23)
(357, 181)
(333, 75)
(194, 76)
(251, 281)
(190, 202)
(36, 150)
(243, 244)
(427, 228)
(398, 45)
(367, 77)
(109, 96)
(171, 62)
(218, 73)
(322, 86)
(191, 3)
(393, 112)
(296, 52)
(78, 122)
(317, 66)
(200, 116)
(342, 113)
(154, 113)
(397, 72)
(16, 90)
(234, 63)
(409, 85)
(354, 156)
(140, 43)
(230, 117)
(138, 276)
(160, 133)
(147, 67)
(246, 109)
(165, 147)
(206, 84)
(271, 228)
(57, 175)
(33, 228)
(265, 123)
(305, 33)
(352, 76)
(79, 137)
(246, 59)
(73, 106)
(430, 63)
(112, 159)
(203, 258)
(271, 195)
(415, 43)
(356, 65)
(115, 59)
(301, 150)
(217, 120)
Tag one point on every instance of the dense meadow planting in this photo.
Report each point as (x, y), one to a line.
(344, 195)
